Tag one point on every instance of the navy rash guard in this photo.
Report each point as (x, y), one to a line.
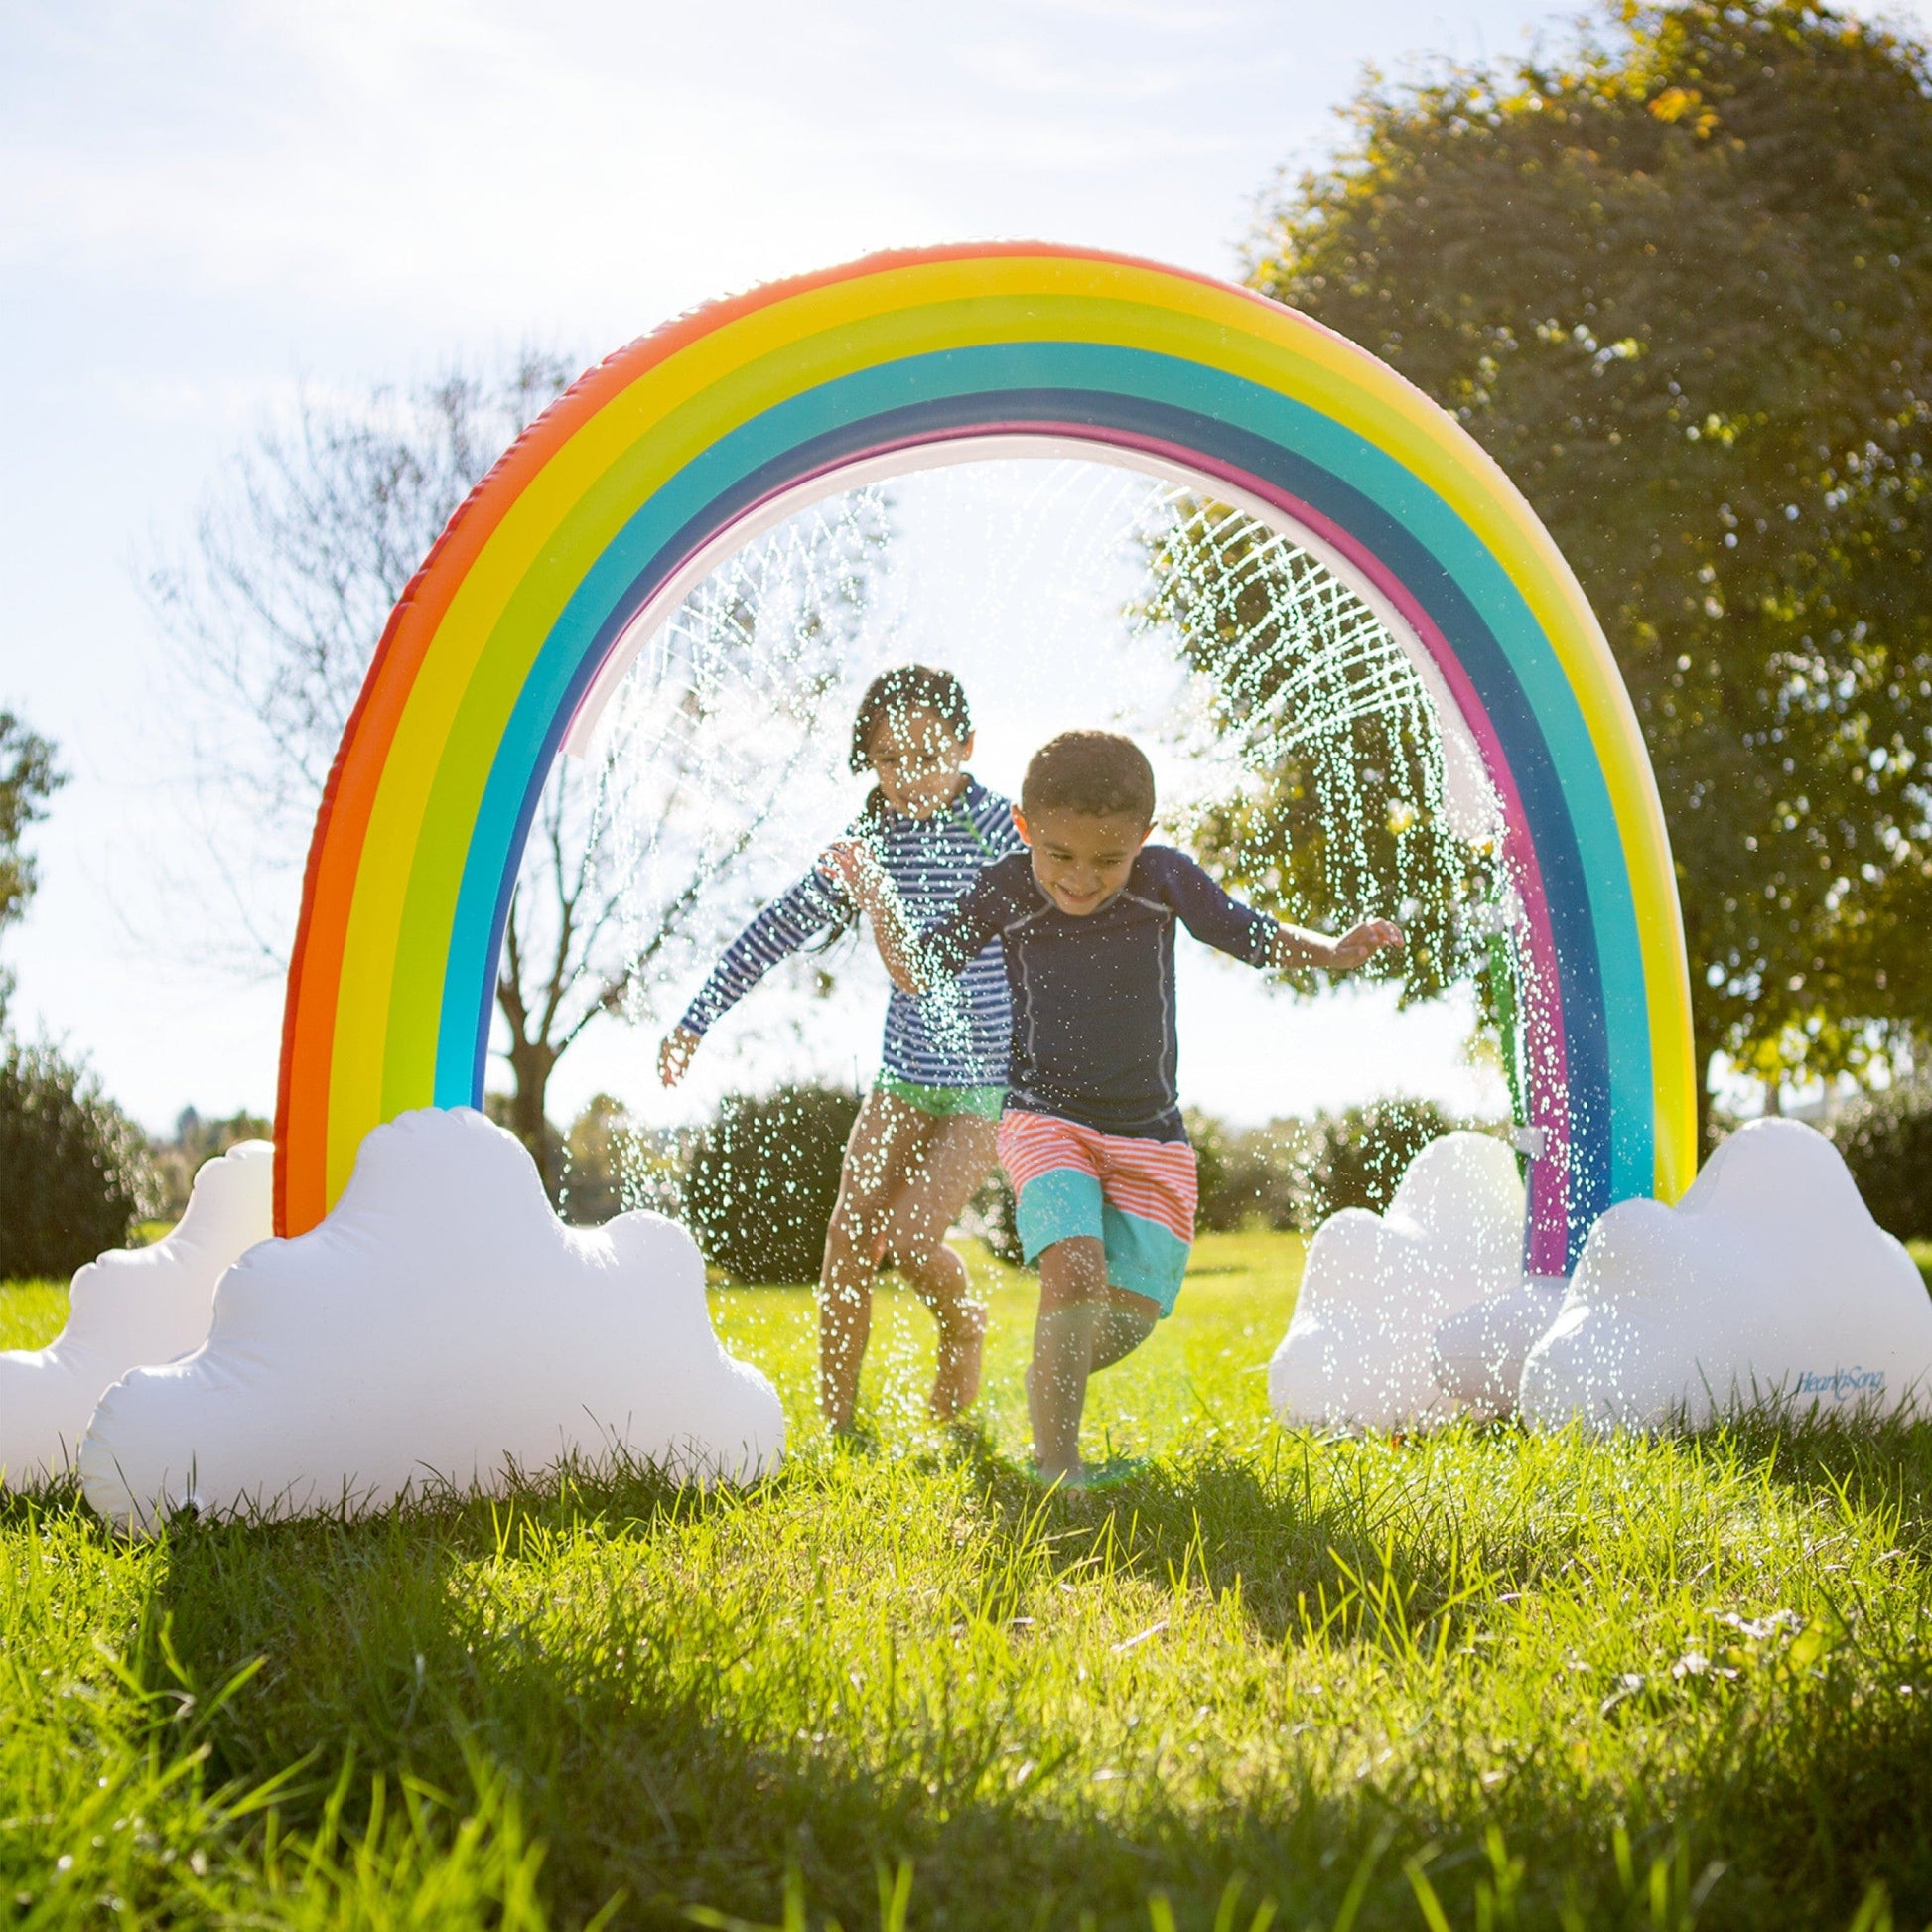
(1093, 1007)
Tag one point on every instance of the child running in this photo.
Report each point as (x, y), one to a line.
(926, 1134)
(1091, 1137)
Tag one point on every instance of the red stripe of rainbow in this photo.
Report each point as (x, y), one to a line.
(681, 437)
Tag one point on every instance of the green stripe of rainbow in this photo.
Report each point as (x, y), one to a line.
(692, 428)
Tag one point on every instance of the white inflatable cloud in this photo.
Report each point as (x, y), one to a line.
(1769, 1282)
(1478, 1355)
(1358, 1353)
(442, 1326)
(131, 1306)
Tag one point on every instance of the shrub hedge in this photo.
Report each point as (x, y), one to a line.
(1360, 1155)
(760, 1182)
(1886, 1142)
(74, 1175)
(762, 1179)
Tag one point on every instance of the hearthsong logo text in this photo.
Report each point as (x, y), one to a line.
(1841, 1383)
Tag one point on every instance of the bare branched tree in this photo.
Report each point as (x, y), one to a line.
(274, 611)
(633, 865)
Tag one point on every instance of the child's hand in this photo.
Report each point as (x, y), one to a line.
(1362, 942)
(854, 864)
(674, 1057)
(1295, 949)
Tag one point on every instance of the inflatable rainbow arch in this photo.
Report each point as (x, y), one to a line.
(674, 450)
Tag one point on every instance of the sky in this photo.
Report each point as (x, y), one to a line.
(208, 206)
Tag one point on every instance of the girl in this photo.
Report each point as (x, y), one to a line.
(926, 1135)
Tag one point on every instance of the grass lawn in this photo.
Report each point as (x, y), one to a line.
(1487, 1679)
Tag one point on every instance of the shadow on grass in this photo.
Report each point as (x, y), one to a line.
(665, 1790)
(657, 1765)
(1355, 1557)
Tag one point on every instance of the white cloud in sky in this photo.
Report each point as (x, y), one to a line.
(481, 163)
(463, 169)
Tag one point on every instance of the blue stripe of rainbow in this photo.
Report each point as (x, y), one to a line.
(492, 651)
(1249, 432)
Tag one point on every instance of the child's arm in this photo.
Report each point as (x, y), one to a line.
(857, 870)
(1297, 946)
(916, 959)
(781, 929)
(1224, 922)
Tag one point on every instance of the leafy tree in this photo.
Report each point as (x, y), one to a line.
(1249, 1175)
(1342, 810)
(594, 1162)
(28, 778)
(276, 609)
(613, 1161)
(1676, 281)
(75, 1177)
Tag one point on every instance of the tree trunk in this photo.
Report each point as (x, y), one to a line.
(530, 1064)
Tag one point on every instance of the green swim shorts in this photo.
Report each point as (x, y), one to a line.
(983, 1103)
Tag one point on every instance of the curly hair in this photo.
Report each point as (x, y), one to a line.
(1100, 774)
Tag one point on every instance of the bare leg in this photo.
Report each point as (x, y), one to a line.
(1083, 1325)
(883, 1135)
(1072, 1292)
(1125, 1323)
(956, 1156)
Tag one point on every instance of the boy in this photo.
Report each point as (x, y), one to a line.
(1091, 1137)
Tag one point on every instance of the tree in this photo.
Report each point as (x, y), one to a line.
(275, 607)
(1253, 1175)
(28, 778)
(275, 611)
(1360, 1155)
(613, 1162)
(634, 858)
(176, 1163)
(1345, 807)
(1676, 281)
(75, 1177)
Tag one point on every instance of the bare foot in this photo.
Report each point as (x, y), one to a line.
(962, 1344)
(1063, 1479)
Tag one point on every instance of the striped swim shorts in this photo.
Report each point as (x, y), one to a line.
(1135, 1197)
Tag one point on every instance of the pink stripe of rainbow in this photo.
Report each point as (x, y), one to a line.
(1548, 1090)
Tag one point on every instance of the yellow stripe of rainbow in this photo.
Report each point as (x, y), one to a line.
(368, 1021)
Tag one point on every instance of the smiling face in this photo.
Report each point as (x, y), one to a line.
(1081, 859)
(919, 761)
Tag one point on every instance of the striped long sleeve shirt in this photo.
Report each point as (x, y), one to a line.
(933, 862)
